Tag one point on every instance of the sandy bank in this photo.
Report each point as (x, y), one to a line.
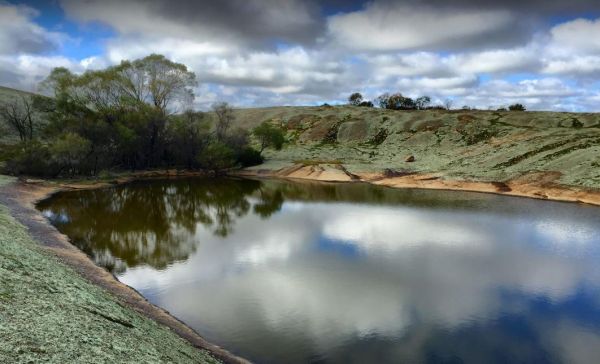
(539, 185)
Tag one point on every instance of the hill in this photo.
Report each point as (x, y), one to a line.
(458, 144)
(7, 92)
(467, 145)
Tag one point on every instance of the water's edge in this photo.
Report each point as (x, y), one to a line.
(22, 197)
(536, 185)
(21, 200)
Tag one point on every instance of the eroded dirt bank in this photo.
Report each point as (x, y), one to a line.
(539, 185)
(96, 327)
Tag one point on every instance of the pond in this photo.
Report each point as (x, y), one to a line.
(298, 272)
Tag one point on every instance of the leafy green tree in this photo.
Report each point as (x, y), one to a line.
(395, 102)
(225, 118)
(383, 100)
(269, 135)
(422, 102)
(126, 116)
(189, 134)
(217, 156)
(69, 151)
(517, 107)
(355, 99)
(249, 157)
(157, 81)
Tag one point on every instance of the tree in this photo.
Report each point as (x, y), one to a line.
(366, 104)
(216, 157)
(382, 100)
(17, 113)
(69, 151)
(355, 99)
(225, 118)
(448, 103)
(122, 116)
(157, 81)
(395, 102)
(422, 102)
(189, 134)
(516, 107)
(269, 135)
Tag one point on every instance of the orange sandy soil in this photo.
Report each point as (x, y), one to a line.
(539, 185)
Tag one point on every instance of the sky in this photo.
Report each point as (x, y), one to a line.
(485, 54)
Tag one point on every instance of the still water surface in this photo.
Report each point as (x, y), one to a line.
(283, 272)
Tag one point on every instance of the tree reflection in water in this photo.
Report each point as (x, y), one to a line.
(153, 223)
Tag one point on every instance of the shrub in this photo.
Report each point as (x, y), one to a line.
(355, 99)
(269, 135)
(380, 137)
(69, 152)
(250, 157)
(473, 133)
(516, 107)
(331, 135)
(33, 159)
(217, 156)
(423, 102)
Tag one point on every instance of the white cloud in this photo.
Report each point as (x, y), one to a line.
(578, 35)
(20, 34)
(394, 26)
(25, 72)
(500, 60)
(573, 66)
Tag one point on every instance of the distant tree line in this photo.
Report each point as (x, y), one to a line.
(397, 101)
(136, 115)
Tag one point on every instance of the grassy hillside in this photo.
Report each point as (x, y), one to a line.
(482, 145)
(6, 92)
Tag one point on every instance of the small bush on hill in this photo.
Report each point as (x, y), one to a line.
(250, 157)
(380, 137)
(269, 135)
(516, 107)
(355, 99)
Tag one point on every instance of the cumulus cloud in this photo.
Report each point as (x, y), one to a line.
(255, 53)
(20, 34)
(396, 26)
(579, 35)
(231, 21)
(25, 72)
(499, 60)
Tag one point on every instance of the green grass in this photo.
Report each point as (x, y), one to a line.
(50, 314)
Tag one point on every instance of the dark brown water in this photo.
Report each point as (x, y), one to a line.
(283, 272)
